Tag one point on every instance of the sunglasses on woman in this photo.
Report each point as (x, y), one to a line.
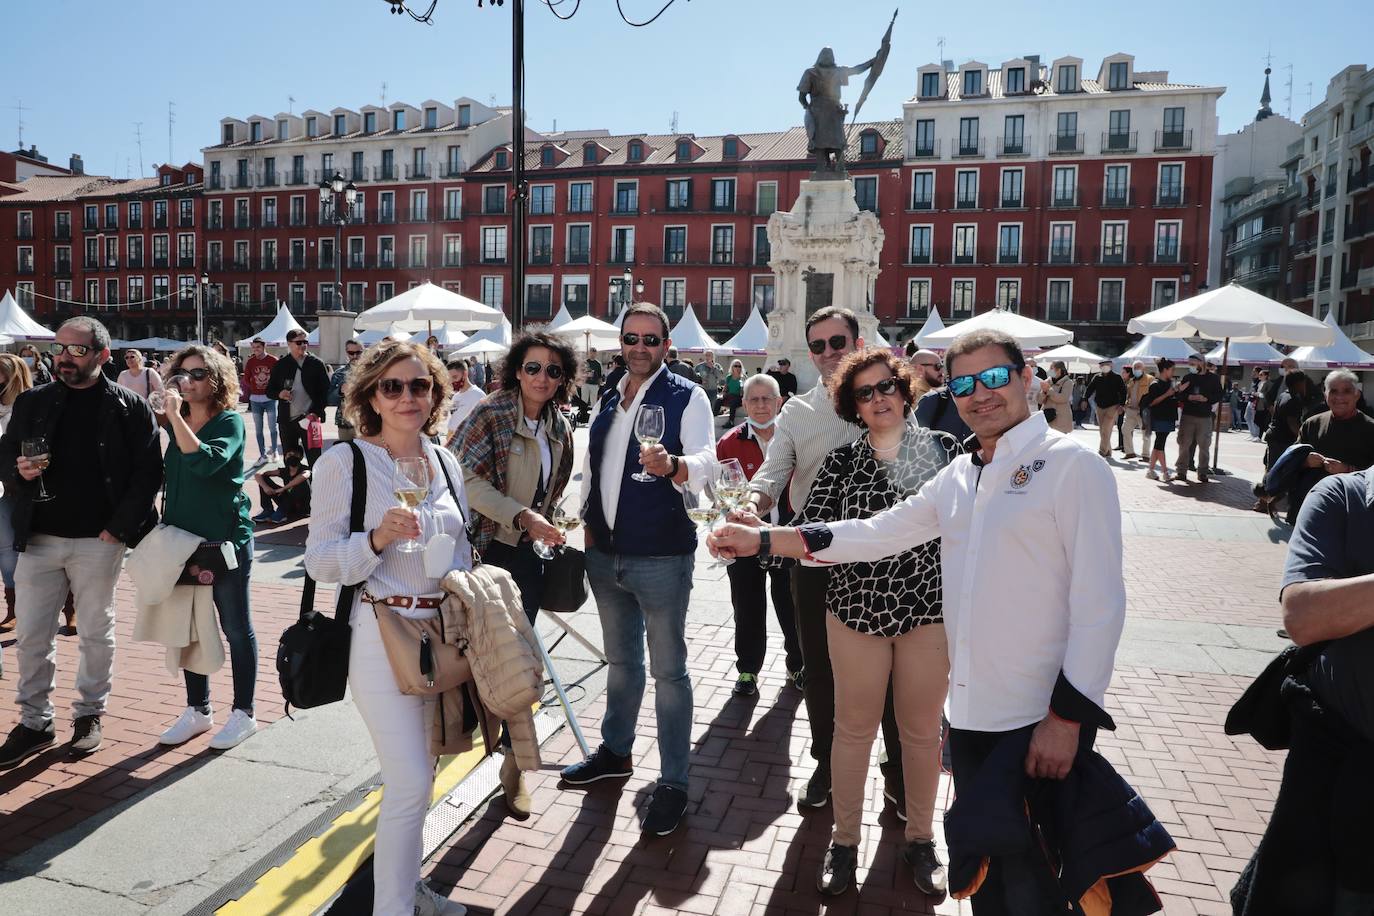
(393, 388)
(864, 393)
(837, 342)
(195, 375)
(961, 386)
(649, 340)
(552, 370)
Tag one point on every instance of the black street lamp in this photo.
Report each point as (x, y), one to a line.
(330, 192)
(620, 292)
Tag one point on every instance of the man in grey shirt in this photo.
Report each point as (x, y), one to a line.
(807, 430)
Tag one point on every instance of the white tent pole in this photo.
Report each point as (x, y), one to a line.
(1216, 419)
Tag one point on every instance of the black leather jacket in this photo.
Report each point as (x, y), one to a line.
(125, 450)
(314, 376)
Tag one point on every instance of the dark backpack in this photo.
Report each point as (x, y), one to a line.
(312, 656)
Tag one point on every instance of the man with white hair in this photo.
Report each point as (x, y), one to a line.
(1342, 438)
(1135, 417)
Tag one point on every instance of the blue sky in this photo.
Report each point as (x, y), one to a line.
(87, 70)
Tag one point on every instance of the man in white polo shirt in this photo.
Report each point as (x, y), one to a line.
(1034, 603)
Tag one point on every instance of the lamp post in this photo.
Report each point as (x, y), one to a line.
(330, 192)
(1186, 279)
(201, 289)
(620, 291)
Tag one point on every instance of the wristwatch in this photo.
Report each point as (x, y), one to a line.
(675, 463)
(765, 542)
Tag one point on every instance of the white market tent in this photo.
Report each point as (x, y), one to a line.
(933, 324)
(689, 336)
(501, 335)
(16, 323)
(366, 338)
(1029, 333)
(274, 335)
(750, 340)
(481, 347)
(588, 331)
(156, 344)
(563, 317)
(1150, 348)
(1078, 360)
(1247, 354)
(1339, 354)
(448, 335)
(879, 340)
(425, 306)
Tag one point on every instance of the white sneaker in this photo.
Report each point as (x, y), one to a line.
(1151, 475)
(240, 727)
(428, 903)
(191, 723)
(262, 459)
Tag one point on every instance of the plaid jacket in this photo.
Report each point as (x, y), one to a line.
(483, 448)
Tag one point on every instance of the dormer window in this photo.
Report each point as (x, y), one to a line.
(589, 154)
(283, 129)
(370, 122)
(228, 133)
(868, 143)
(166, 180)
(684, 151)
(464, 115)
(398, 120)
(310, 127)
(730, 148)
(340, 124)
(1016, 80)
(1068, 79)
(973, 82)
(635, 153)
(930, 85)
(1118, 75)
(502, 159)
(255, 131)
(192, 178)
(546, 156)
(431, 118)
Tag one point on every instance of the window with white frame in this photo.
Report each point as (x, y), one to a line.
(493, 244)
(453, 251)
(1009, 243)
(1009, 295)
(1061, 243)
(453, 203)
(1167, 236)
(1013, 188)
(1065, 186)
(541, 200)
(1110, 299)
(296, 296)
(961, 298)
(539, 297)
(1113, 243)
(674, 298)
(492, 293)
(918, 299)
(763, 295)
(386, 251)
(419, 251)
(580, 197)
(577, 295)
(1165, 292)
(722, 244)
(135, 291)
(721, 300)
(1059, 300)
(919, 251)
(765, 197)
(965, 244)
(922, 190)
(966, 189)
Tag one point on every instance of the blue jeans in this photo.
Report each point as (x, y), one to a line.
(9, 557)
(635, 596)
(235, 619)
(258, 409)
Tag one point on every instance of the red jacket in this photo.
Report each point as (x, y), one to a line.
(741, 443)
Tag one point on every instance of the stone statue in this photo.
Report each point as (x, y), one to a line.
(819, 93)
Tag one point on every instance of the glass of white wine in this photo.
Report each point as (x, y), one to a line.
(412, 486)
(648, 430)
(704, 509)
(36, 450)
(565, 522)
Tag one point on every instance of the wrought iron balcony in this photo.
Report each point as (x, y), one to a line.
(1173, 140)
(1066, 144)
(1123, 141)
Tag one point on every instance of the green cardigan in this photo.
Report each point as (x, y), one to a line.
(205, 488)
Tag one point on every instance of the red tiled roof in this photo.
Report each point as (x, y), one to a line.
(44, 188)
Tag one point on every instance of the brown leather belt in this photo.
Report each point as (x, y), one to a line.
(404, 601)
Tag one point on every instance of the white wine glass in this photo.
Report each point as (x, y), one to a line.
(703, 509)
(36, 450)
(731, 483)
(412, 486)
(565, 522)
(648, 430)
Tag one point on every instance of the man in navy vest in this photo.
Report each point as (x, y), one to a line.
(640, 548)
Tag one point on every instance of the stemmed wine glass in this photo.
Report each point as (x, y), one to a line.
(158, 398)
(412, 486)
(732, 484)
(564, 521)
(36, 450)
(648, 430)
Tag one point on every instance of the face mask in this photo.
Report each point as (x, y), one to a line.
(1137, 372)
(1282, 372)
(29, 360)
(754, 424)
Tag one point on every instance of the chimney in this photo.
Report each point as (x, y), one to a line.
(949, 66)
(75, 164)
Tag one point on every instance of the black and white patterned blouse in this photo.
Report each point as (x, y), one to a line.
(891, 596)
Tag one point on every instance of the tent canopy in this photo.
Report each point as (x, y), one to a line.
(689, 336)
(1339, 354)
(588, 331)
(1028, 332)
(933, 324)
(1077, 359)
(425, 305)
(1236, 313)
(163, 344)
(750, 340)
(475, 347)
(274, 335)
(1150, 348)
(563, 317)
(1246, 354)
(16, 323)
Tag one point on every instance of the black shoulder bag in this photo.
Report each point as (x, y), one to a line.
(312, 656)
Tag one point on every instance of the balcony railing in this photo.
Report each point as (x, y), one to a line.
(25, 232)
(625, 207)
(1173, 140)
(1176, 254)
(63, 233)
(215, 183)
(186, 260)
(385, 172)
(1118, 197)
(966, 202)
(1008, 255)
(493, 207)
(1012, 146)
(269, 180)
(1069, 254)
(63, 268)
(1062, 199)
(1309, 202)
(1349, 279)
(930, 150)
(296, 178)
(541, 255)
(1302, 247)
(243, 221)
(1012, 203)
(1116, 254)
(1268, 236)
(241, 182)
(89, 263)
(1119, 141)
(1357, 228)
(184, 222)
(1065, 144)
(973, 148)
(916, 257)
(1328, 235)
(26, 268)
(1171, 197)
(922, 203)
(160, 221)
(417, 172)
(451, 170)
(578, 256)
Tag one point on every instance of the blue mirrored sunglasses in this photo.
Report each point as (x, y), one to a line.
(961, 386)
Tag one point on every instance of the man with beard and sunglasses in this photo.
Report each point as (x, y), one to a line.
(640, 556)
(1034, 600)
(300, 381)
(75, 513)
(806, 431)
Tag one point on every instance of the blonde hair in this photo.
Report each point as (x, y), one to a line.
(18, 378)
(224, 380)
(368, 371)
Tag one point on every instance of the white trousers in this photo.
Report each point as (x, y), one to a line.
(398, 725)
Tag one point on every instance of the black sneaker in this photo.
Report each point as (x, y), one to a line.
(797, 678)
(817, 791)
(602, 764)
(926, 868)
(665, 811)
(746, 686)
(837, 870)
(85, 736)
(23, 743)
(895, 793)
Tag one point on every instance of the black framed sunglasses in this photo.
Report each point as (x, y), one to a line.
(353, 353)
(864, 393)
(301, 341)
(393, 388)
(961, 386)
(552, 370)
(199, 374)
(837, 342)
(649, 340)
(77, 350)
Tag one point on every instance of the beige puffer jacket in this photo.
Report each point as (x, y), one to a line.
(483, 611)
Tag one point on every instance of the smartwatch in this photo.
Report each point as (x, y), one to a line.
(765, 542)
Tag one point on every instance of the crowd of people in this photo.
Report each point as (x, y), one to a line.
(943, 562)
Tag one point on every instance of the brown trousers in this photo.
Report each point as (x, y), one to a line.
(918, 664)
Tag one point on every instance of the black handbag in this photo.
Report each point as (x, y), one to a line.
(312, 655)
(1050, 414)
(565, 581)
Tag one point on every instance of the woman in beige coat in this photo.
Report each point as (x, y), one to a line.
(1056, 394)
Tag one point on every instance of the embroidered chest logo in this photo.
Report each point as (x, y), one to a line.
(1021, 477)
(1038, 465)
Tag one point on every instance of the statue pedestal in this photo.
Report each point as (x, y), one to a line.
(825, 252)
(336, 329)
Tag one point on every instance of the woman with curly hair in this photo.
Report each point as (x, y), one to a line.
(204, 467)
(884, 619)
(517, 455)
